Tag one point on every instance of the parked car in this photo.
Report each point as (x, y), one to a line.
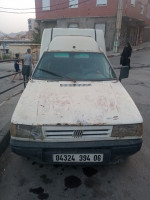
(74, 109)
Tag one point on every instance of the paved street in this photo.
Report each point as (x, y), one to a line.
(23, 179)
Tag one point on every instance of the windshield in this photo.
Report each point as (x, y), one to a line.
(75, 66)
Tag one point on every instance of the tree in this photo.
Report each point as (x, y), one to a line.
(36, 36)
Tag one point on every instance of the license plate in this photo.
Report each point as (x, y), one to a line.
(78, 157)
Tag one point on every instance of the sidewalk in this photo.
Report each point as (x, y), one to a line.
(134, 48)
(7, 110)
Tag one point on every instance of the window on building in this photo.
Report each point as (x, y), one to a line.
(30, 27)
(142, 10)
(101, 2)
(100, 27)
(133, 2)
(73, 3)
(45, 4)
(73, 25)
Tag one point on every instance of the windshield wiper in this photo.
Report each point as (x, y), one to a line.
(56, 74)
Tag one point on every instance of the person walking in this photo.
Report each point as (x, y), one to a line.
(17, 69)
(126, 55)
(27, 66)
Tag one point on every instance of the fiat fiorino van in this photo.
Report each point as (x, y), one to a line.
(74, 110)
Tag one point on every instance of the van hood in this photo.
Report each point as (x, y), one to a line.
(80, 103)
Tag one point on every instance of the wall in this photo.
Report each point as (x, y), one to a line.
(22, 49)
(135, 12)
(84, 9)
(88, 14)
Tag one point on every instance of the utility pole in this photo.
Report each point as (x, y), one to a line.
(118, 26)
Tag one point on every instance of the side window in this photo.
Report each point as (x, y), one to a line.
(45, 5)
(101, 2)
(73, 25)
(73, 3)
(133, 3)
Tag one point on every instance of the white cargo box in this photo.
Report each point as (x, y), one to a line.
(50, 33)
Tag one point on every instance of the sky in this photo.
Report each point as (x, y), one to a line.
(12, 23)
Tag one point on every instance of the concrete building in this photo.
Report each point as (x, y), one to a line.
(5, 46)
(134, 16)
(32, 24)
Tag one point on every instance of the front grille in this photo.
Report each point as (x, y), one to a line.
(75, 85)
(76, 133)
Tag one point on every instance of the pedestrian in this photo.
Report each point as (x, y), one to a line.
(126, 55)
(27, 66)
(17, 69)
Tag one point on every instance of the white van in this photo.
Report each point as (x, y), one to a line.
(74, 110)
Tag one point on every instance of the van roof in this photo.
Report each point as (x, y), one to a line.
(74, 43)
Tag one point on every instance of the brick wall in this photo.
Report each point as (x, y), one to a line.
(139, 11)
(85, 9)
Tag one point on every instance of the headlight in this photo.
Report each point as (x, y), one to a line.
(127, 130)
(26, 131)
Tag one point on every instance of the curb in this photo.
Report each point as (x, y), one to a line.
(113, 55)
(4, 138)
(118, 54)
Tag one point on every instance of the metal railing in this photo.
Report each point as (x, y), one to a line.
(2, 77)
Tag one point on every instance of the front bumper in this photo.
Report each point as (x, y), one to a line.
(42, 152)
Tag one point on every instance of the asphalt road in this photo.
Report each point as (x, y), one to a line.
(23, 179)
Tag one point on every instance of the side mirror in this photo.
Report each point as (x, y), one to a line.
(124, 72)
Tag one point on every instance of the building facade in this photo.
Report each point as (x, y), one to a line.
(134, 17)
(32, 25)
(8, 48)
